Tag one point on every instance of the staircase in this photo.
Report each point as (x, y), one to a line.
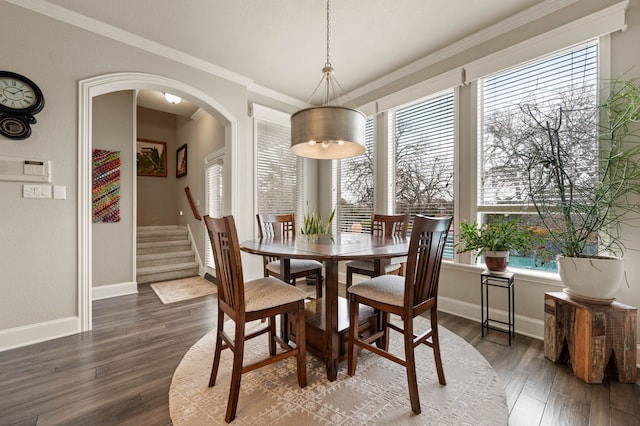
(164, 253)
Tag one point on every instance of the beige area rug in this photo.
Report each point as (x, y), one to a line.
(183, 289)
(377, 394)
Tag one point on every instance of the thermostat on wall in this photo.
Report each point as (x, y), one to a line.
(25, 169)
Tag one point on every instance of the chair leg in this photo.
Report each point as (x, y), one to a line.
(272, 336)
(436, 347)
(218, 350)
(384, 326)
(352, 353)
(319, 285)
(301, 343)
(349, 277)
(412, 380)
(236, 373)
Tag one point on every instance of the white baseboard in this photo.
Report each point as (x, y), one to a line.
(35, 333)
(194, 247)
(524, 325)
(113, 290)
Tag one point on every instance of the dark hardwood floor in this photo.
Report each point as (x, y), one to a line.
(120, 372)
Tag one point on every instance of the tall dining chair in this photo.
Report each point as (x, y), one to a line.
(407, 297)
(284, 226)
(244, 302)
(381, 225)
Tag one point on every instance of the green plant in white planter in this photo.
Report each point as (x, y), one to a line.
(495, 240)
(581, 173)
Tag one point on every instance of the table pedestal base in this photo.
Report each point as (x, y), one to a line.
(317, 335)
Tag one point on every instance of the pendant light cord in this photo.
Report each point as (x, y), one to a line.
(328, 69)
(332, 87)
(328, 63)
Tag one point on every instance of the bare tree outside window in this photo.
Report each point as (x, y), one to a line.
(423, 153)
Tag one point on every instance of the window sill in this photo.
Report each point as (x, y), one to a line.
(523, 275)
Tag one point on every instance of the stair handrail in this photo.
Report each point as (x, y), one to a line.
(194, 209)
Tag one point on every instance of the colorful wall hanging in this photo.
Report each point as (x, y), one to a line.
(106, 186)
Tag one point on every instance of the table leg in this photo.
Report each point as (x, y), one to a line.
(285, 270)
(332, 338)
(377, 267)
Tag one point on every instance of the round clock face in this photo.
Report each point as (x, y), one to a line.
(19, 95)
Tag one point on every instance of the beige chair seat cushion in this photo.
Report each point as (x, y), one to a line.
(268, 292)
(297, 265)
(387, 289)
(369, 265)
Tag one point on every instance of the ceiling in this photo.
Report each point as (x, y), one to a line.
(280, 45)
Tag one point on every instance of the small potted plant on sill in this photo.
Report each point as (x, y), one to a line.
(495, 240)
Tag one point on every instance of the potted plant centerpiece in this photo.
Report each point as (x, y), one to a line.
(581, 173)
(313, 225)
(495, 240)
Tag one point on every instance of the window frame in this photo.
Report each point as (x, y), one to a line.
(481, 210)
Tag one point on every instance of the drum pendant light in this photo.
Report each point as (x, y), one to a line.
(328, 132)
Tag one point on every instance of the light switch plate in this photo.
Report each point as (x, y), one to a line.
(59, 192)
(36, 191)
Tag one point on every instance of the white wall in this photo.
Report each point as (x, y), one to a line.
(113, 130)
(203, 136)
(157, 198)
(39, 249)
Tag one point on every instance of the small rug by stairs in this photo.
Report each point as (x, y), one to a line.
(183, 289)
(377, 394)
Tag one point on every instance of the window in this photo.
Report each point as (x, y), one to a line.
(279, 176)
(355, 188)
(559, 87)
(213, 172)
(423, 158)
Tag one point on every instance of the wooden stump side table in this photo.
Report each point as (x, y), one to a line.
(590, 335)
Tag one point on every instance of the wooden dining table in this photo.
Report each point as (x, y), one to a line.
(327, 319)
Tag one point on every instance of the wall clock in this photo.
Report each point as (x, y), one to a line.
(20, 99)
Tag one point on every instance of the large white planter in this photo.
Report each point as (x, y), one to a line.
(594, 280)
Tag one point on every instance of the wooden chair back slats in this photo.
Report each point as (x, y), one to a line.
(394, 225)
(389, 225)
(226, 254)
(276, 226)
(426, 249)
(283, 226)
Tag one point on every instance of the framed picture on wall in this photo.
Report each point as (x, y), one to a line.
(151, 158)
(181, 161)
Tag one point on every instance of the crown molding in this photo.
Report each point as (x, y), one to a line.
(59, 13)
(81, 21)
(272, 94)
(513, 22)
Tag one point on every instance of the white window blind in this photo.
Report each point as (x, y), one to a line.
(566, 80)
(423, 157)
(214, 191)
(279, 175)
(355, 188)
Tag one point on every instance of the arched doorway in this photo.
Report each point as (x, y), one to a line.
(104, 84)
